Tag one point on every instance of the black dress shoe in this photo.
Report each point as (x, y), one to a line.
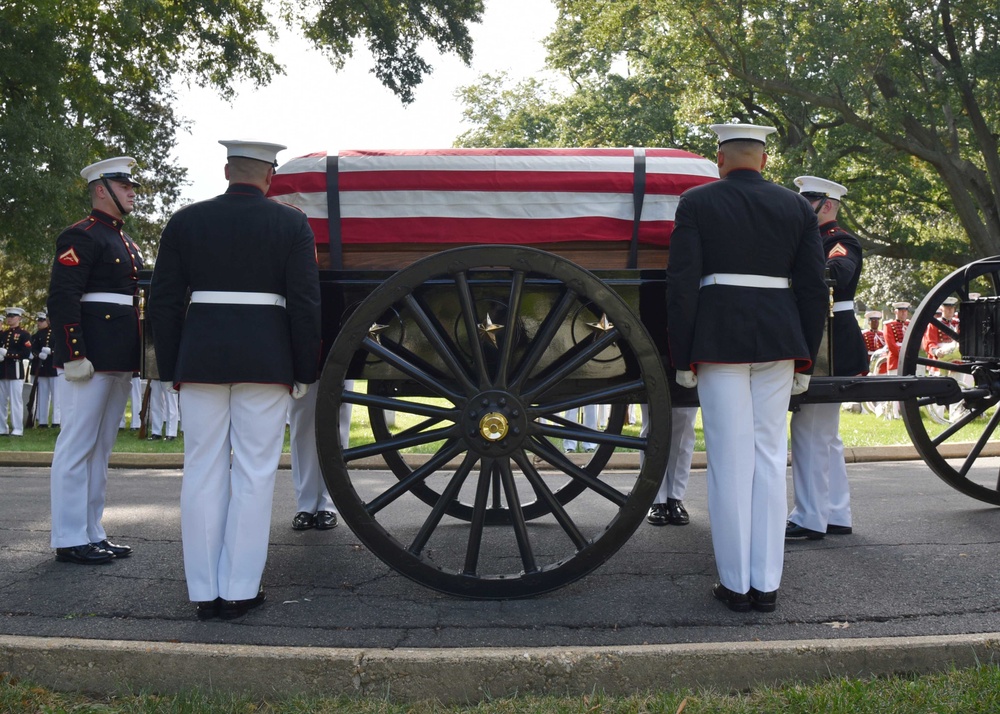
(153, 437)
(303, 521)
(88, 554)
(209, 608)
(231, 609)
(658, 515)
(737, 602)
(169, 438)
(678, 515)
(119, 551)
(838, 530)
(763, 602)
(794, 530)
(325, 520)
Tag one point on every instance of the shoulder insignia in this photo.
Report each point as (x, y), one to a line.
(69, 257)
(838, 251)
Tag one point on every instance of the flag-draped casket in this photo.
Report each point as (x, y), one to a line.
(601, 208)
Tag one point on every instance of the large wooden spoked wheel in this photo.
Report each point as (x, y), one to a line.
(953, 443)
(495, 509)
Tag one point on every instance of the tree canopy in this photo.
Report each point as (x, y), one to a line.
(897, 99)
(89, 79)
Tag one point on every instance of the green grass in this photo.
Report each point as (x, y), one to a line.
(856, 430)
(967, 691)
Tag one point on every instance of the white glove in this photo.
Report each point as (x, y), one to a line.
(686, 378)
(79, 370)
(45, 352)
(299, 390)
(946, 348)
(3, 353)
(168, 387)
(800, 383)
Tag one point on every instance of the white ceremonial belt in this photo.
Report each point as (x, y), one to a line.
(843, 306)
(226, 297)
(741, 280)
(107, 297)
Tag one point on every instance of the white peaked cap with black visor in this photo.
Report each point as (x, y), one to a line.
(814, 186)
(258, 150)
(116, 169)
(742, 132)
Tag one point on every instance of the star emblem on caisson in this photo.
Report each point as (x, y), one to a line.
(488, 330)
(602, 325)
(375, 330)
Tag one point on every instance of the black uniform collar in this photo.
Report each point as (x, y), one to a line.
(745, 175)
(244, 189)
(107, 219)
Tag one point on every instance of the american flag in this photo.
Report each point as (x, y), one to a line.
(509, 196)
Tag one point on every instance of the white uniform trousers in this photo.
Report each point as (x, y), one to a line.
(91, 411)
(675, 478)
(135, 391)
(743, 412)
(46, 397)
(233, 434)
(163, 409)
(311, 494)
(819, 474)
(590, 413)
(12, 391)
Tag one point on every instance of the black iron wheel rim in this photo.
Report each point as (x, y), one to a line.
(504, 472)
(934, 445)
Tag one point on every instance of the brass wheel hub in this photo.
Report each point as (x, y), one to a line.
(493, 426)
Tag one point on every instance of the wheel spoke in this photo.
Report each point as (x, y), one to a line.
(599, 396)
(478, 522)
(410, 369)
(582, 433)
(440, 508)
(958, 425)
(398, 443)
(545, 493)
(447, 452)
(394, 404)
(507, 346)
(980, 443)
(964, 368)
(570, 362)
(472, 328)
(543, 339)
(517, 516)
(435, 336)
(548, 452)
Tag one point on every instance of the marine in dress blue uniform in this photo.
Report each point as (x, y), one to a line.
(95, 324)
(819, 472)
(15, 347)
(44, 370)
(248, 337)
(746, 304)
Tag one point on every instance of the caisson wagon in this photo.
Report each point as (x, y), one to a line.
(478, 298)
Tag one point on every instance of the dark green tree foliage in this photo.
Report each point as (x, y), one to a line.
(896, 99)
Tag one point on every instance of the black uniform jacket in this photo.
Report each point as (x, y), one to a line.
(17, 342)
(95, 256)
(843, 259)
(237, 242)
(42, 367)
(746, 225)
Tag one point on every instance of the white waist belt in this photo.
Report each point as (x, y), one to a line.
(843, 306)
(745, 281)
(107, 297)
(225, 297)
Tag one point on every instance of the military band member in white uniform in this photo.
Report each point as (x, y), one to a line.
(250, 336)
(745, 312)
(164, 413)
(95, 278)
(819, 472)
(15, 347)
(44, 369)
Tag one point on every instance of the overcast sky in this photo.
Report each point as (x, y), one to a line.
(314, 108)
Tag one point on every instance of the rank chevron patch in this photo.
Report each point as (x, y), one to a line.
(69, 257)
(838, 251)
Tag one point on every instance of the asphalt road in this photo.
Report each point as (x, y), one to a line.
(922, 561)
